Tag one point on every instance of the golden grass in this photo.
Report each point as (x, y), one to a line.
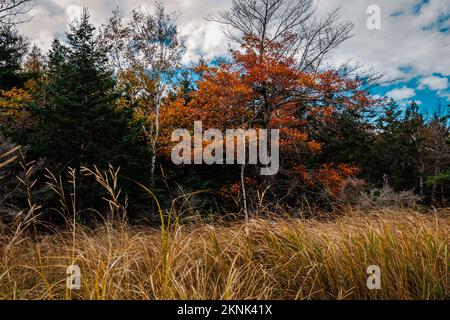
(261, 259)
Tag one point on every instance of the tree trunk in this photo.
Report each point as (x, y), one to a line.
(244, 193)
(421, 179)
(155, 134)
(435, 185)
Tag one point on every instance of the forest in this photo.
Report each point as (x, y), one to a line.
(86, 138)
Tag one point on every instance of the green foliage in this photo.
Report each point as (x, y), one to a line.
(395, 153)
(348, 139)
(12, 50)
(81, 123)
(443, 178)
(70, 109)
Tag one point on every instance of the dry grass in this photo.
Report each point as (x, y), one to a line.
(261, 259)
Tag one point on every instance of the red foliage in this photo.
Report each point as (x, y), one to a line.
(231, 94)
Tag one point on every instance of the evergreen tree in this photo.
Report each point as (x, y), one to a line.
(81, 123)
(348, 139)
(396, 150)
(12, 50)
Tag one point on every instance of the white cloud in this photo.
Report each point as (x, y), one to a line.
(73, 12)
(401, 94)
(444, 94)
(434, 83)
(403, 41)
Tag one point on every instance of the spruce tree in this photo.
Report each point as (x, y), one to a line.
(395, 153)
(12, 50)
(80, 123)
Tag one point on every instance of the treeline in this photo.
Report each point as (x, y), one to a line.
(112, 96)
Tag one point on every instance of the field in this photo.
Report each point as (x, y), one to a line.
(261, 259)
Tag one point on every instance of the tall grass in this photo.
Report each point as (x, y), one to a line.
(270, 258)
(261, 259)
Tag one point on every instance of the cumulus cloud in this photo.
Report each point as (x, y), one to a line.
(73, 12)
(434, 83)
(401, 93)
(409, 38)
(405, 41)
(203, 38)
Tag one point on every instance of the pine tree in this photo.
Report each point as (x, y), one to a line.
(80, 123)
(12, 50)
(396, 151)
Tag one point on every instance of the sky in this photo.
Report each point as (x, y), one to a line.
(412, 45)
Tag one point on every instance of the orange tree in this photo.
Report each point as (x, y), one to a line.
(263, 88)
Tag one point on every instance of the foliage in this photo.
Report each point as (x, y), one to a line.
(12, 50)
(79, 122)
(114, 96)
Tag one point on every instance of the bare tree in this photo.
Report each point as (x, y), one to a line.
(316, 37)
(11, 10)
(271, 20)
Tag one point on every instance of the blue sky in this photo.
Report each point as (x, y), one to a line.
(412, 46)
(430, 90)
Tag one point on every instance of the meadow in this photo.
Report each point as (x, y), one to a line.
(269, 258)
(94, 182)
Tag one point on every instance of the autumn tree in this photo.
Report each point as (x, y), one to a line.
(276, 79)
(228, 96)
(146, 52)
(14, 112)
(307, 39)
(14, 98)
(36, 69)
(35, 62)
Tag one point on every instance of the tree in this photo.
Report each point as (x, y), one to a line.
(416, 125)
(13, 48)
(228, 96)
(146, 54)
(395, 158)
(285, 46)
(306, 39)
(81, 123)
(14, 99)
(437, 144)
(35, 63)
(272, 21)
(15, 117)
(36, 69)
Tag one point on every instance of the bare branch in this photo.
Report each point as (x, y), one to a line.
(272, 20)
(12, 10)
